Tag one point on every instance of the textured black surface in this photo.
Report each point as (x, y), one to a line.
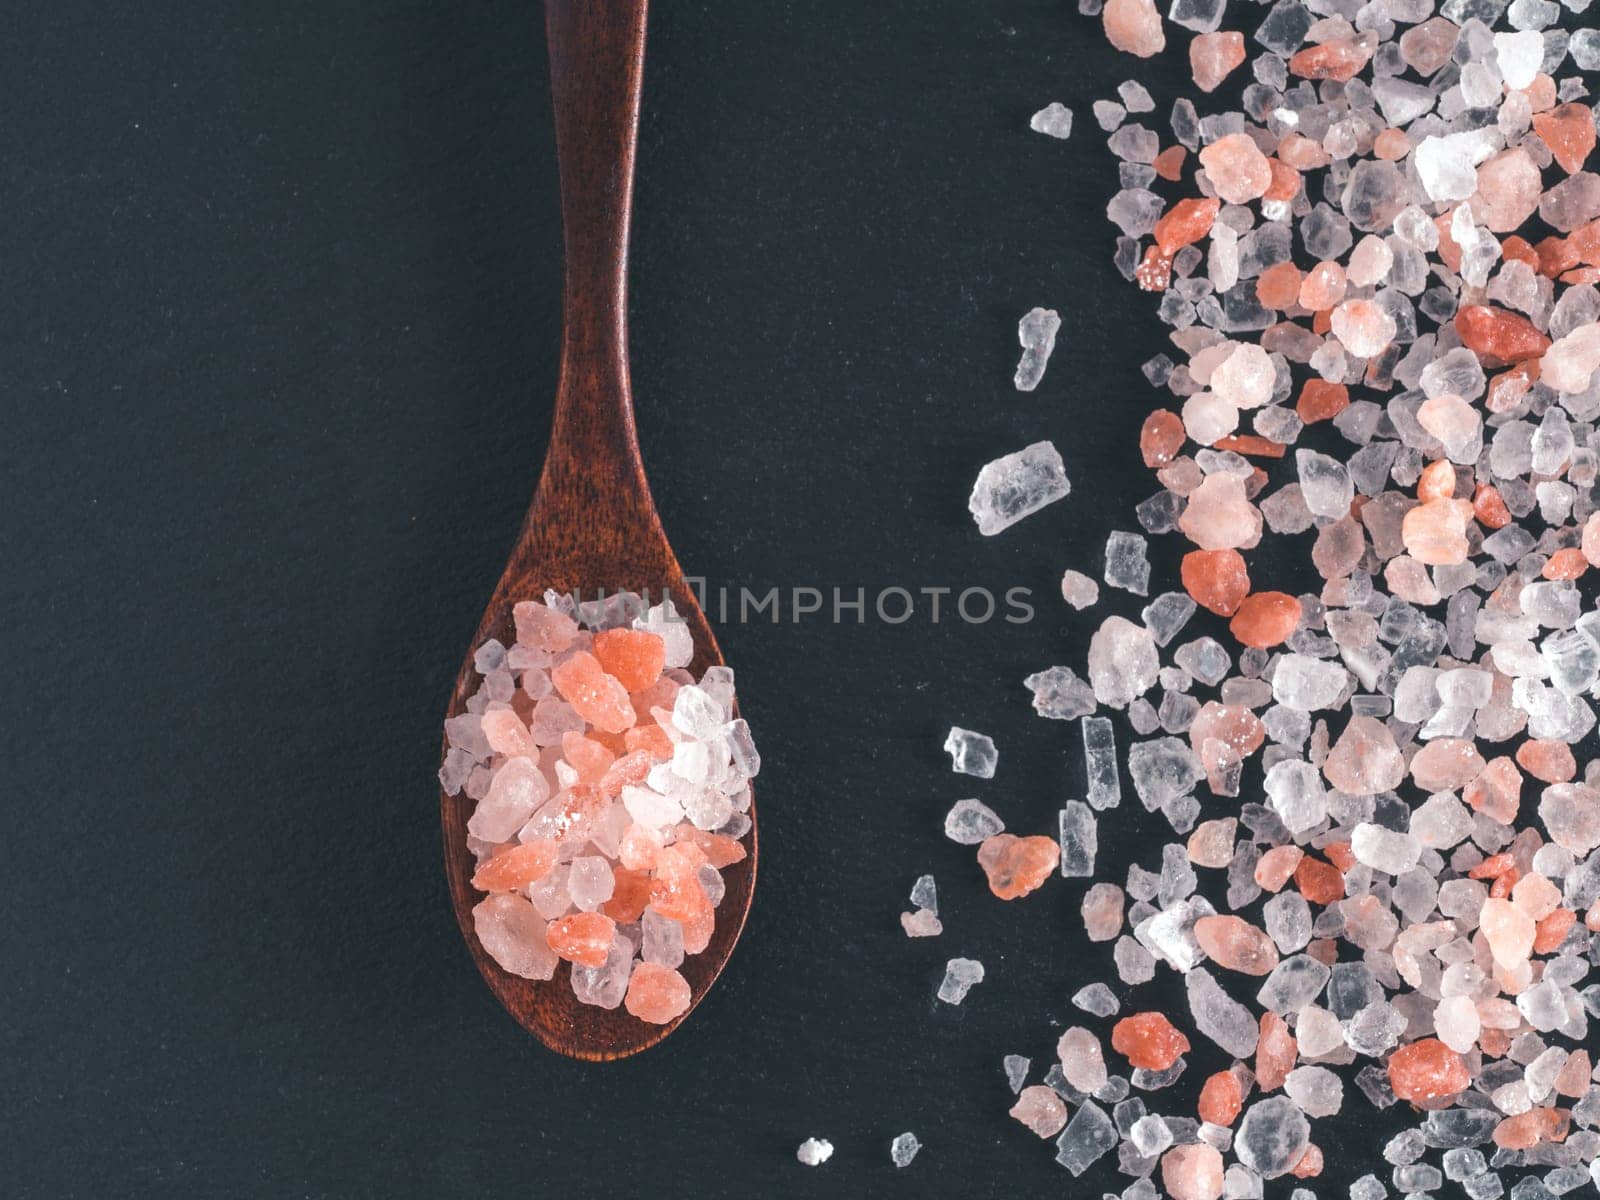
(279, 319)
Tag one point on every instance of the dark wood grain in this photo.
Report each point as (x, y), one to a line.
(592, 524)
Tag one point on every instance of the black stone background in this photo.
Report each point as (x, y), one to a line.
(278, 325)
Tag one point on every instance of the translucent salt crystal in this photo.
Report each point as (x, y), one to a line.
(1016, 1068)
(1040, 1110)
(589, 882)
(960, 974)
(971, 753)
(1123, 662)
(1017, 485)
(1088, 1136)
(1104, 786)
(972, 821)
(813, 1152)
(925, 894)
(921, 923)
(605, 986)
(1054, 119)
(1384, 849)
(663, 621)
(1127, 566)
(1058, 693)
(1079, 839)
(1447, 164)
(1317, 1091)
(903, 1149)
(1097, 999)
(1218, 1016)
(512, 932)
(1272, 1137)
(1078, 590)
(662, 939)
(1102, 912)
(1150, 1135)
(1037, 334)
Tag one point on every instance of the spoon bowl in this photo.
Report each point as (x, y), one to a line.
(592, 527)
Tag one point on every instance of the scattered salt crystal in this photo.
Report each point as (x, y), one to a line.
(813, 1152)
(972, 821)
(903, 1149)
(1037, 334)
(1054, 119)
(960, 974)
(1078, 590)
(1016, 486)
(971, 753)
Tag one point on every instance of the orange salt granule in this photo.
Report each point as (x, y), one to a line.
(1221, 1098)
(1017, 865)
(1149, 1041)
(1184, 223)
(633, 657)
(516, 867)
(598, 698)
(1569, 132)
(1276, 1052)
(630, 895)
(1265, 619)
(1321, 400)
(1279, 286)
(1427, 1070)
(583, 938)
(1160, 438)
(656, 993)
(1169, 163)
(1217, 580)
(1317, 881)
(1498, 336)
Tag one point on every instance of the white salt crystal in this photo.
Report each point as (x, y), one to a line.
(1127, 566)
(1078, 590)
(971, 753)
(960, 974)
(1054, 119)
(903, 1149)
(813, 1152)
(1036, 332)
(971, 821)
(1017, 485)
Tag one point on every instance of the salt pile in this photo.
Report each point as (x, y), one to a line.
(611, 790)
(1383, 889)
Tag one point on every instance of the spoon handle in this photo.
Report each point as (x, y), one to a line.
(596, 65)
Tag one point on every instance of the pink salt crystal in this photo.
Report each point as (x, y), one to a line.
(1185, 223)
(1221, 1098)
(1427, 1070)
(1276, 866)
(1409, 580)
(511, 932)
(1591, 539)
(1134, 26)
(1148, 1040)
(1017, 865)
(1339, 59)
(1572, 360)
(633, 657)
(1365, 760)
(1362, 327)
(1548, 761)
(1508, 930)
(583, 938)
(1436, 533)
(1265, 619)
(1508, 191)
(516, 868)
(1569, 131)
(1446, 764)
(598, 698)
(1456, 1021)
(1192, 1172)
(1223, 735)
(506, 734)
(1246, 377)
(637, 849)
(1323, 287)
(1102, 912)
(1426, 47)
(1536, 896)
(1276, 1052)
(676, 890)
(656, 994)
(1238, 171)
(1452, 420)
(1572, 1080)
(1497, 793)
(1041, 1110)
(921, 923)
(1211, 844)
(1213, 57)
(1218, 580)
(1220, 516)
(542, 627)
(1234, 943)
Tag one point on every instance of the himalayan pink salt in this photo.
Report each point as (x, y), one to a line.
(583, 938)
(630, 896)
(1102, 912)
(1321, 401)
(1572, 1081)
(1568, 563)
(1456, 1022)
(540, 627)
(1446, 764)
(1148, 1040)
(656, 994)
(1340, 59)
(516, 868)
(1436, 533)
(1017, 865)
(1572, 360)
(1528, 1129)
(506, 734)
(1192, 1172)
(1362, 327)
(1427, 1070)
(1454, 422)
(1234, 943)
(1214, 56)
(1224, 735)
(1426, 47)
(1323, 287)
(1246, 377)
(1041, 1110)
(1549, 761)
(1365, 760)
(1277, 866)
(1498, 336)
(1218, 580)
(1134, 26)
(1237, 169)
(1185, 223)
(1211, 844)
(1508, 192)
(1279, 286)
(1508, 930)
(633, 657)
(1169, 166)
(1569, 131)
(1310, 1164)
(1221, 1098)
(1276, 1052)
(598, 698)
(1220, 516)
(1161, 438)
(1265, 619)
(511, 932)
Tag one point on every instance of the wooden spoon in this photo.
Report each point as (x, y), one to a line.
(593, 524)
